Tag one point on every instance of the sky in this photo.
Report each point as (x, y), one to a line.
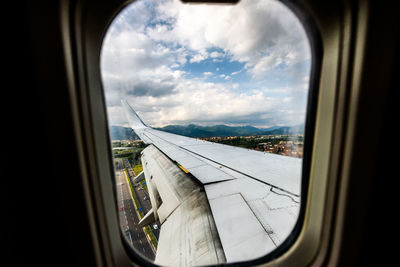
(244, 64)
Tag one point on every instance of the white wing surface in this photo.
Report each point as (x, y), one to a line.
(254, 196)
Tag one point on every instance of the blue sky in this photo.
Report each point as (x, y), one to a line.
(207, 64)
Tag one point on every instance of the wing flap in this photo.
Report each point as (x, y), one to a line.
(242, 236)
(274, 212)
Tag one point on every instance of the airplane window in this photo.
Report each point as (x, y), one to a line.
(206, 107)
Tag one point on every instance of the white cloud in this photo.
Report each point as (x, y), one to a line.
(236, 72)
(198, 58)
(144, 53)
(216, 54)
(247, 31)
(215, 102)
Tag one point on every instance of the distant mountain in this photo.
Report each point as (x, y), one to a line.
(122, 133)
(279, 130)
(192, 130)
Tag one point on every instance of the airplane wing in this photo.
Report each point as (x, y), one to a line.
(215, 202)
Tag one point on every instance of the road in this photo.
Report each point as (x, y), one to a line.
(128, 216)
(142, 197)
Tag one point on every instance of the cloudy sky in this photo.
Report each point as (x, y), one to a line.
(177, 63)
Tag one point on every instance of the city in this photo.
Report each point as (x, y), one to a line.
(287, 145)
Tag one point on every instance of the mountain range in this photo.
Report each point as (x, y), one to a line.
(193, 130)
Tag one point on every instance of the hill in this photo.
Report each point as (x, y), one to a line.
(192, 130)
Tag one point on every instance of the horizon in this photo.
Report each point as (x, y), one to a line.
(232, 126)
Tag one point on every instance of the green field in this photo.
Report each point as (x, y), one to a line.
(138, 168)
